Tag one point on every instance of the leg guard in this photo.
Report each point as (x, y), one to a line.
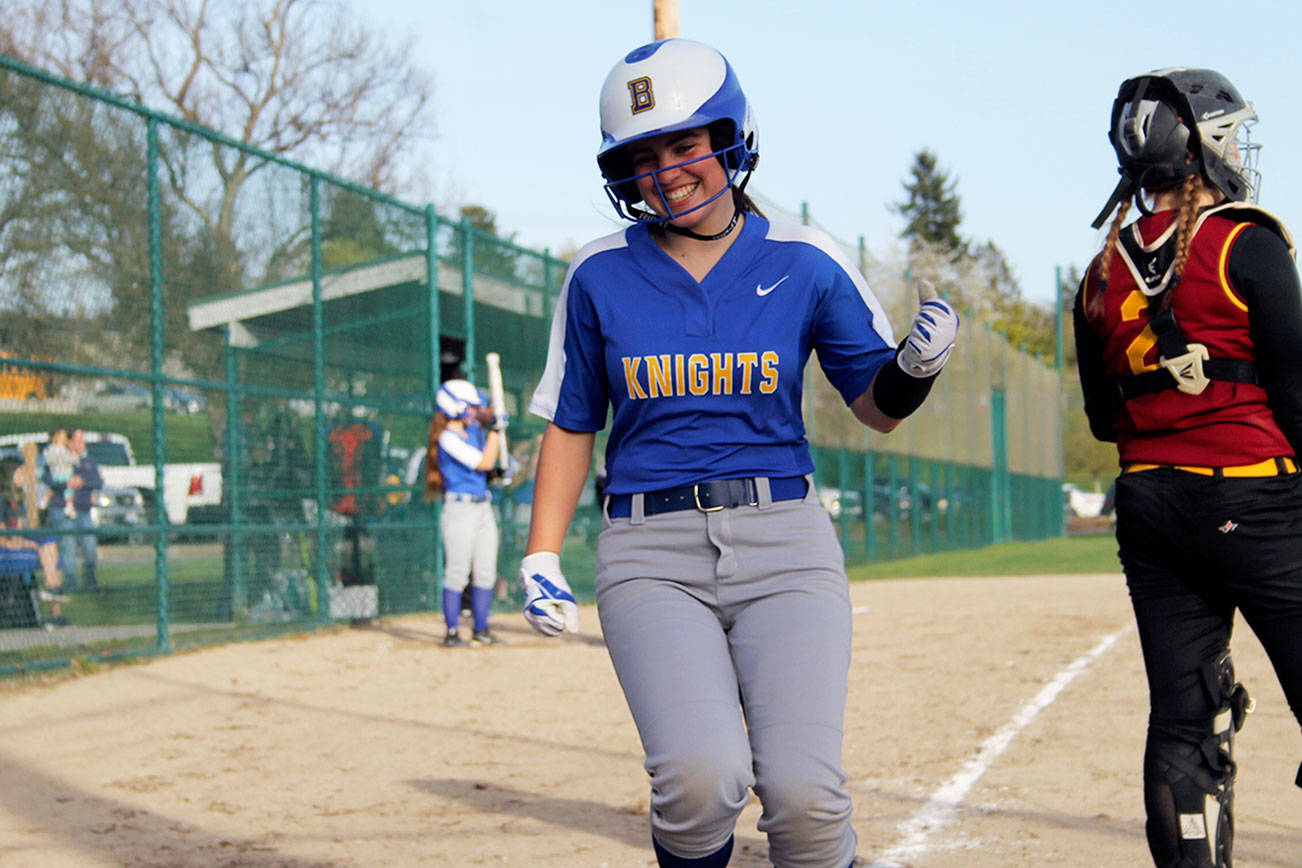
(1189, 789)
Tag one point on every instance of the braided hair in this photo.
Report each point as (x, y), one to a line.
(1186, 217)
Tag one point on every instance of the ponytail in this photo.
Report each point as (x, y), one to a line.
(745, 204)
(433, 476)
(1095, 305)
(1186, 218)
(1187, 215)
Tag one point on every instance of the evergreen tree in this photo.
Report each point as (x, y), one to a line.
(931, 209)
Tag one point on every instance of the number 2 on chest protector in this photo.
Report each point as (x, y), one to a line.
(1145, 340)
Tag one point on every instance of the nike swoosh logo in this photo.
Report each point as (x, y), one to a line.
(761, 291)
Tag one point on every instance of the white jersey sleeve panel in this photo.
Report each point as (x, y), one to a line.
(547, 394)
(824, 242)
(460, 450)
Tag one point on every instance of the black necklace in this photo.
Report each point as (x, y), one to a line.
(678, 230)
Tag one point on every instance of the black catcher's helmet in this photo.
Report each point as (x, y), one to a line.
(1161, 119)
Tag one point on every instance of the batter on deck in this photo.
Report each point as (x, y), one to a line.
(719, 577)
(462, 451)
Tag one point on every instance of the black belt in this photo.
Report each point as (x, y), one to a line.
(708, 496)
(1150, 382)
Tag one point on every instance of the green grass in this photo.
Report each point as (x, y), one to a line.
(1094, 553)
(188, 438)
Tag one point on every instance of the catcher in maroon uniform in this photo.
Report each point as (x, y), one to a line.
(1187, 329)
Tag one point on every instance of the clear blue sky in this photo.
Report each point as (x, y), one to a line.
(1013, 97)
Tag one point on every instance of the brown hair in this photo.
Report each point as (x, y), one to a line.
(745, 204)
(1186, 219)
(1105, 258)
(433, 476)
(10, 489)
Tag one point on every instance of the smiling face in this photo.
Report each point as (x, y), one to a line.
(678, 174)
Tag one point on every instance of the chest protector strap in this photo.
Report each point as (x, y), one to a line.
(1189, 363)
(1182, 365)
(1185, 363)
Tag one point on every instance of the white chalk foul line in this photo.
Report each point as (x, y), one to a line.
(943, 805)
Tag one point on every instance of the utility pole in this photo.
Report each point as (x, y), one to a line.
(665, 15)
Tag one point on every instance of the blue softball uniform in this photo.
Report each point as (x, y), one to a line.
(458, 458)
(705, 379)
(469, 528)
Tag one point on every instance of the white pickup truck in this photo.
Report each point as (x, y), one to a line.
(189, 489)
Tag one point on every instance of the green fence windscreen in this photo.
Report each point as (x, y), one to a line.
(252, 347)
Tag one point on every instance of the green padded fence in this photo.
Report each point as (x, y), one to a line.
(252, 347)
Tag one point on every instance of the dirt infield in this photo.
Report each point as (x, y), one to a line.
(992, 722)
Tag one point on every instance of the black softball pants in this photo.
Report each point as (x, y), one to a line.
(1194, 549)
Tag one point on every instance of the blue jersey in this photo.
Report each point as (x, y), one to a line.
(458, 457)
(705, 379)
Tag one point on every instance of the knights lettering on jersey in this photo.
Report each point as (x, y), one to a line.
(677, 374)
(705, 382)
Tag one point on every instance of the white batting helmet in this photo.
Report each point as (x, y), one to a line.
(455, 397)
(666, 87)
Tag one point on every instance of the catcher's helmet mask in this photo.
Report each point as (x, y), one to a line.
(1172, 123)
(670, 86)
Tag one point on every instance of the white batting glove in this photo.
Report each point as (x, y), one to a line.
(549, 605)
(931, 339)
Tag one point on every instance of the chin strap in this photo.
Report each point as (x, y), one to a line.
(1125, 187)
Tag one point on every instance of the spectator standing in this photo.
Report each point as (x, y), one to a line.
(59, 459)
(78, 491)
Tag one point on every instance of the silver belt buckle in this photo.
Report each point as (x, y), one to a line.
(696, 496)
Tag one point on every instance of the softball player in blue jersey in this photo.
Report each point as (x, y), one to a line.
(719, 577)
(461, 452)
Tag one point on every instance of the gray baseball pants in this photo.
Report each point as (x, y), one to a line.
(469, 533)
(730, 635)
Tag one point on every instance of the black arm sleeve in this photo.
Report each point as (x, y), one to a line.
(898, 394)
(1101, 405)
(1262, 272)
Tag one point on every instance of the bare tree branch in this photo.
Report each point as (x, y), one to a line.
(301, 78)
